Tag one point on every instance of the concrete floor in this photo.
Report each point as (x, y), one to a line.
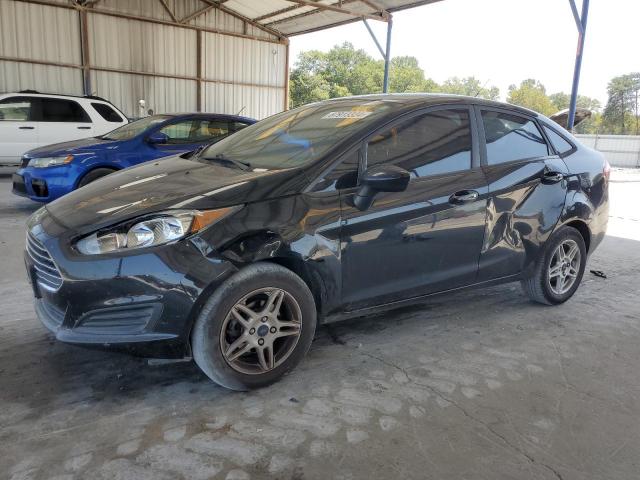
(477, 385)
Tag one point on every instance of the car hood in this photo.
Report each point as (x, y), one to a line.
(84, 145)
(172, 183)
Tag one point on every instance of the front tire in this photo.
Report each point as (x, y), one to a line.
(559, 269)
(254, 328)
(94, 175)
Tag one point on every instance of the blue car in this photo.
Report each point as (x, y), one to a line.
(50, 172)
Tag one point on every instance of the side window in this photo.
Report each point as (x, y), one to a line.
(16, 109)
(60, 110)
(429, 144)
(561, 145)
(511, 137)
(195, 131)
(107, 112)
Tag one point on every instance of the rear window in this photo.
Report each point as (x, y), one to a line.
(511, 137)
(560, 144)
(107, 112)
(17, 109)
(60, 110)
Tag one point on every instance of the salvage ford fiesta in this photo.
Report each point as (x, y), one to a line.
(332, 210)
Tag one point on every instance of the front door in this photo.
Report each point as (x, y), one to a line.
(427, 238)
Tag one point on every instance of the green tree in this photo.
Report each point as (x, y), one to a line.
(469, 86)
(561, 101)
(621, 114)
(343, 71)
(531, 94)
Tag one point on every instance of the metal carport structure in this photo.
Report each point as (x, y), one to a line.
(206, 39)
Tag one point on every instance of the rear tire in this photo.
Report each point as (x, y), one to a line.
(235, 315)
(559, 269)
(95, 175)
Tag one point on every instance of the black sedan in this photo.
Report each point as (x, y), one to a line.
(332, 210)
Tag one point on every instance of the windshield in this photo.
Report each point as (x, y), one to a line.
(130, 130)
(297, 137)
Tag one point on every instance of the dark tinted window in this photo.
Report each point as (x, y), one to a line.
(511, 137)
(430, 144)
(106, 112)
(558, 141)
(195, 131)
(59, 110)
(15, 109)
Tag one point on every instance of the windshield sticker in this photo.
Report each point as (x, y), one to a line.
(350, 114)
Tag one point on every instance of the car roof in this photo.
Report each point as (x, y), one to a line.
(34, 93)
(404, 100)
(225, 116)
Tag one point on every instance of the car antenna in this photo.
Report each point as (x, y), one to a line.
(241, 110)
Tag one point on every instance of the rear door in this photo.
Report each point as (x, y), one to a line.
(18, 131)
(62, 120)
(427, 238)
(527, 190)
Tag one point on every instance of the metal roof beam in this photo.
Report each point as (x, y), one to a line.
(196, 14)
(373, 5)
(354, 17)
(168, 10)
(265, 28)
(339, 9)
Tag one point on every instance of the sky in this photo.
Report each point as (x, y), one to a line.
(502, 42)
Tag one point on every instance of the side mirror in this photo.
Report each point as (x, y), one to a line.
(157, 138)
(383, 178)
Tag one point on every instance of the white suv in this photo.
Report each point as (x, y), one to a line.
(29, 119)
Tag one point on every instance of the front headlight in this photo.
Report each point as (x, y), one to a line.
(50, 161)
(158, 229)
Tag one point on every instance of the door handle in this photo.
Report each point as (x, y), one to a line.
(26, 128)
(84, 128)
(463, 196)
(551, 177)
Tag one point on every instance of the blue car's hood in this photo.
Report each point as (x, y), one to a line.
(84, 145)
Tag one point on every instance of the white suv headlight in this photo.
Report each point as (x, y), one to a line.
(50, 161)
(161, 228)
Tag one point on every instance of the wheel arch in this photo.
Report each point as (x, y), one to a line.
(268, 246)
(92, 169)
(583, 229)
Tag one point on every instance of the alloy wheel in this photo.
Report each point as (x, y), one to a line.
(261, 331)
(564, 267)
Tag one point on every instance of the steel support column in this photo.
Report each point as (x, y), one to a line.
(387, 58)
(199, 70)
(581, 24)
(386, 53)
(84, 52)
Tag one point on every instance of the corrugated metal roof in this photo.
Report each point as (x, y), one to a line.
(275, 19)
(294, 17)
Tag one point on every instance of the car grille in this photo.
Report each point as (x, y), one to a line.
(47, 274)
(24, 162)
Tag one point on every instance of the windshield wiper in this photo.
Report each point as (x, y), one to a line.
(222, 159)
